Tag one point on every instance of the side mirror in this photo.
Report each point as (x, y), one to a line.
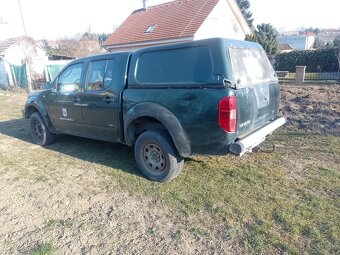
(47, 85)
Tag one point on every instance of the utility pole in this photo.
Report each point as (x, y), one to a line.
(27, 61)
(22, 18)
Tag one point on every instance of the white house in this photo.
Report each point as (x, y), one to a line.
(298, 42)
(17, 56)
(179, 21)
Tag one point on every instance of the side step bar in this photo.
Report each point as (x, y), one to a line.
(254, 139)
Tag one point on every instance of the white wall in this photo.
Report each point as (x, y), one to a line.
(310, 42)
(14, 55)
(221, 22)
(298, 42)
(25, 51)
(3, 75)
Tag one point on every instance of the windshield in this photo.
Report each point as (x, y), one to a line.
(251, 67)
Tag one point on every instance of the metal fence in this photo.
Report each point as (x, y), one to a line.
(326, 77)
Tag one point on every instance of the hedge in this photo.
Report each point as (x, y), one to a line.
(324, 60)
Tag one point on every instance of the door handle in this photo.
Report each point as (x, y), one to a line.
(109, 100)
(76, 99)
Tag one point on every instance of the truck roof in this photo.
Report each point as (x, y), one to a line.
(229, 43)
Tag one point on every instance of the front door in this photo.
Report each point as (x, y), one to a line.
(100, 99)
(64, 103)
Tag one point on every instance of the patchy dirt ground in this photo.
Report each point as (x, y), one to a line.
(76, 212)
(311, 108)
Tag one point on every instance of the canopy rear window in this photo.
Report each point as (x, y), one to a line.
(251, 67)
(175, 66)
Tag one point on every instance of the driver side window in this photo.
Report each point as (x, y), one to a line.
(69, 80)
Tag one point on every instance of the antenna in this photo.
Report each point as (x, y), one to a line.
(145, 4)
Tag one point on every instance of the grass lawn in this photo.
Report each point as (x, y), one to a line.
(285, 202)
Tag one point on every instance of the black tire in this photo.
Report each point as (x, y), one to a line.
(39, 131)
(157, 156)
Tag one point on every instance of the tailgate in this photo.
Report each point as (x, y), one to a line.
(257, 106)
(257, 88)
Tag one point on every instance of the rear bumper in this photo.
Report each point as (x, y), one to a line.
(254, 139)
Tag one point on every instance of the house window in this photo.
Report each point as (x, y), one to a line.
(150, 29)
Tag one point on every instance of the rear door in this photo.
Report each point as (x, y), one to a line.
(257, 88)
(100, 106)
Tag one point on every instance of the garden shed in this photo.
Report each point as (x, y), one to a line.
(20, 58)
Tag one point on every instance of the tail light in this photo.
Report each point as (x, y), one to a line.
(227, 113)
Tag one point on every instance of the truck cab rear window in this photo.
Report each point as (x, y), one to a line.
(176, 66)
(251, 67)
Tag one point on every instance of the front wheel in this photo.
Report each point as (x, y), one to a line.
(157, 157)
(39, 131)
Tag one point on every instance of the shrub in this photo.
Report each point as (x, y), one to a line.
(324, 60)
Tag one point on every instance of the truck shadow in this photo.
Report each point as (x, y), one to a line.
(116, 156)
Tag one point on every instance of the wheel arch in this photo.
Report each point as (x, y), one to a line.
(35, 106)
(149, 115)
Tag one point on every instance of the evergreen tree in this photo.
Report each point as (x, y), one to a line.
(311, 29)
(245, 9)
(316, 31)
(266, 35)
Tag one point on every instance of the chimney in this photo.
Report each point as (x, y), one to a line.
(145, 4)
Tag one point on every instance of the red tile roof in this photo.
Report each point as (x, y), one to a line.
(177, 19)
(307, 33)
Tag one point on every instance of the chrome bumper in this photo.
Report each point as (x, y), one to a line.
(252, 140)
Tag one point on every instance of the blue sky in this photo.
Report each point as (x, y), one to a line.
(64, 18)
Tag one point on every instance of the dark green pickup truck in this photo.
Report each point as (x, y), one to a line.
(213, 96)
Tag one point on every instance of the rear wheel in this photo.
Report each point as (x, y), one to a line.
(39, 131)
(157, 157)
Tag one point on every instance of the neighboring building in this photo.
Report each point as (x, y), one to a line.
(179, 21)
(15, 54)
(285, 47)
(328, 35)
(307, 33)
(59, 57)
(298, 42)
(76, 48)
